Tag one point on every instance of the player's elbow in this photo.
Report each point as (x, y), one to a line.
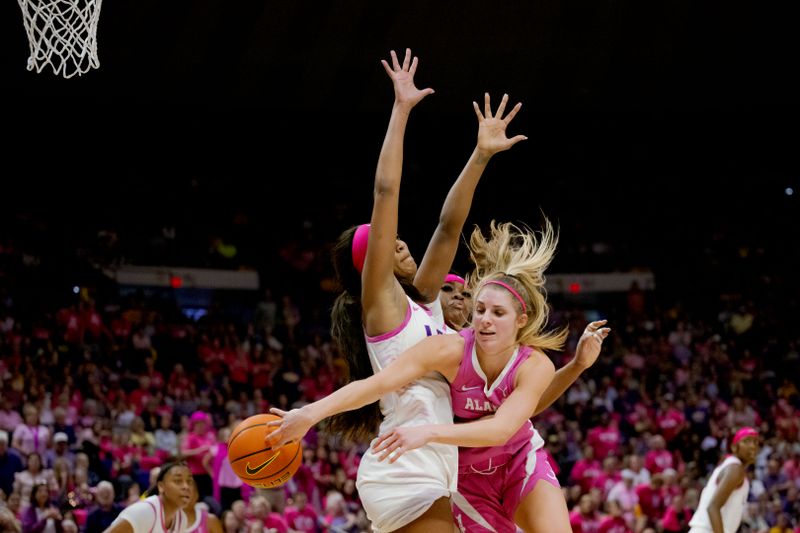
(502, 432)
(713, 509)
(384, 188)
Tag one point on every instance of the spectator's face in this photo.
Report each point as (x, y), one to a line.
(34, 462)
(773, 466)
(586, 505)
(613, 508)
(238, 507)
(41, 496)
(300, 500)
(13, 502)
(105, 495)
(259, 507)
(31, 416)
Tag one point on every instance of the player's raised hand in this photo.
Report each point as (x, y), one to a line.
(402, 76)
(492, 126)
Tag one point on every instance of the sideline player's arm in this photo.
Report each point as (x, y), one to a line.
(731, 477)
(533, 377)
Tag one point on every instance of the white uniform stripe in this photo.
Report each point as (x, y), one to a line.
(530, 462)
(462, 503)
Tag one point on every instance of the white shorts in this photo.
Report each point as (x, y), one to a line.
(394, 495)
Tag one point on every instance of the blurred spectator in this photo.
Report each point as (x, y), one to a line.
(261, 513)
(197, 450)
(60, 450)
(106, 510)
(300, 516)
(31, 436)
(585, 518)
(41, 515)
(34, 475)
(10, 464)
(677, 516)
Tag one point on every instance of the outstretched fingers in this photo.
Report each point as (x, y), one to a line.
(477, 109)
(487, 106)
(502, 107)
(407, 59)
(512, 114)
(414, 64)
(395, 62)
(517, 138)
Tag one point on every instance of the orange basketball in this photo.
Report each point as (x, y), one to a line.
(254, 462)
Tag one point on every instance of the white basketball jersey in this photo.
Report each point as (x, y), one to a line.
(732, 510)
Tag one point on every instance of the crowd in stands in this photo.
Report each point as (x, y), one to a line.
(97, 391)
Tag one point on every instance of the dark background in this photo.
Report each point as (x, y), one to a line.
(659, 127)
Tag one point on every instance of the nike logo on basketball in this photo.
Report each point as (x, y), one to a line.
(262, 466)
(464, 388)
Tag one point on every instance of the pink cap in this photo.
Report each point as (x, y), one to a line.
(453, 278)
(198, 416)
(743, 434)
(360, 240)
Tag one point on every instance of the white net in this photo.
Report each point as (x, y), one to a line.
(62, 34)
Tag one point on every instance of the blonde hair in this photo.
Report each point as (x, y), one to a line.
(516, 257)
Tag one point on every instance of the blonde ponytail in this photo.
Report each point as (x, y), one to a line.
(517, 258)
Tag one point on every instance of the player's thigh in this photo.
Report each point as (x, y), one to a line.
(438, 518)
(543, 510)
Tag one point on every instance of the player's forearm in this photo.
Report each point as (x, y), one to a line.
(390, 161)
(715, 517)
(459, 199)
(482, 433)
(352, 396)
(562, 380)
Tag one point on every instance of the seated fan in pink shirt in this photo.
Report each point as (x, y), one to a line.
(495, 367)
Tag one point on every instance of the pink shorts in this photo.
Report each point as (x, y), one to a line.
(490, 492)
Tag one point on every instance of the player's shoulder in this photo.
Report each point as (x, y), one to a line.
(538, 360)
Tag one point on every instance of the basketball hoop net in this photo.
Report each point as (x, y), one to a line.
(62, 34)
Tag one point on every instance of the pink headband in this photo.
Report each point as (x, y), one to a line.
(743, 434)
(511, 290)
(360, 240)
(453, 278)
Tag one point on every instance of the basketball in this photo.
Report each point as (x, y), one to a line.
(253, 461)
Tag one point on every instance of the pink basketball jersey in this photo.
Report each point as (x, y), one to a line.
(473, 398)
